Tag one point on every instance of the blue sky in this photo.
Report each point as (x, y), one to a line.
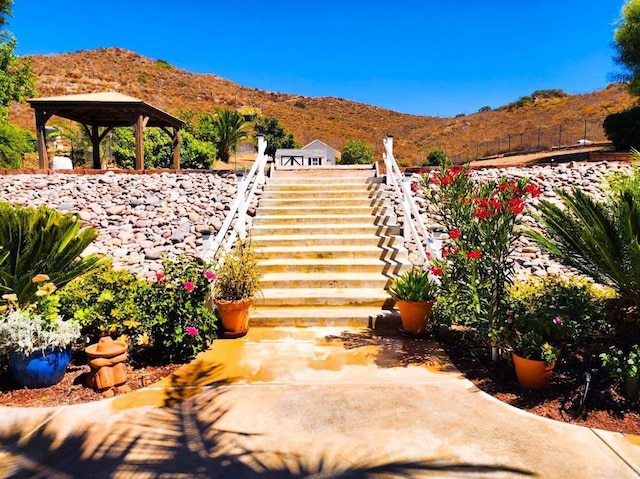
(430, 57)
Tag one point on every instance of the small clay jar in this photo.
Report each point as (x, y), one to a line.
(106, 359)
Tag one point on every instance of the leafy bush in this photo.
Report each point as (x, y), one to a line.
(105, 301)
(14, 143)
(478, 263)
(178, 323)
(619, 365)
(580, 303)
(623, 129)
(357, 152)
(437, 158)
(41, 241)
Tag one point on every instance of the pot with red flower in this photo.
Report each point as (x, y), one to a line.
(415, 291)
(236, 284)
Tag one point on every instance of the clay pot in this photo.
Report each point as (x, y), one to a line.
(106, 359)
(532, 373)
(414, 315)
(234, 316)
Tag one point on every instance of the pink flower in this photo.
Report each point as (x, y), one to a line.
(188, 285)
(159, 277)
(454, 234)
(191, 331)
(211, 276)
(557, 320)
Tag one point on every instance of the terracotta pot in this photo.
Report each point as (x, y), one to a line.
(631, 388)
(235, 316)
(532, 373)
(414, 315)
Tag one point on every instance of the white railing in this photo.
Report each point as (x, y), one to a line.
(413, 227)
(228, 234)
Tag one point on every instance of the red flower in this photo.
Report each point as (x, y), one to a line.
(483, 213)
(455, 234)
(455, 171)
(533, 190)
(446, 180)
(188, 285)
(446, 252)
(433, 179)
(495, 204)
(159, 277)
(414, 186)
(474, 254)
(516, 206)
(436, 271)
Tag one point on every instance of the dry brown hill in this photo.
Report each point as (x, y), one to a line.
(333, 120)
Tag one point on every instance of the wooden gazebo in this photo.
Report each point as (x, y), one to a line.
(106, 110)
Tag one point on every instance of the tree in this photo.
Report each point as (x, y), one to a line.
(627, 45)
(275, 135)
(357, 152)
(437, 158)
(623, 129)
(231, 129)
(14, 143)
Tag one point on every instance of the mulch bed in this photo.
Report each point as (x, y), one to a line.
(72, 390)
(605, 406)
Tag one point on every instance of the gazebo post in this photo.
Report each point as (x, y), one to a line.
(95, 146)
(141, 122)
(41, 121)
(176, 148)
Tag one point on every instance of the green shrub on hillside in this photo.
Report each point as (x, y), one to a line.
(623, 129)
(357, 152)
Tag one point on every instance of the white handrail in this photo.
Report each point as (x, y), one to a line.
(413, 226)
(227, 235)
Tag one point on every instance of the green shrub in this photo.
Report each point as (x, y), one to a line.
(238, 277)
(357, 152)
(105, 301)
(623, 129)
(580, 302)
(178, 322)
(414, 285)
(437, 158)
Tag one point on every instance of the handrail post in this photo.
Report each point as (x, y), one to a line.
(261, 159)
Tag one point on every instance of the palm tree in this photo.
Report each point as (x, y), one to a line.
(600, 239)
(231, 129)
(37, 241)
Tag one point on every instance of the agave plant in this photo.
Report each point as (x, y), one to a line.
(600, 239)
(41, 241)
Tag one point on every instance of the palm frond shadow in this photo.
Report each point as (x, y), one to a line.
(182, 439)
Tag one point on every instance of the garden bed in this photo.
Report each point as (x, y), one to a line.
(72, 390)
(604, 408)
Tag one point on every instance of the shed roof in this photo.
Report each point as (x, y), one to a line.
(106, 109)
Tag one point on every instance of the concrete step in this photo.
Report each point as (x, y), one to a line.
(319, 219)
(334, 172)
(335, 265)
(346, 280)
(260, 241)
(259, 230)
(303, 203)
(345, 209)
(326, 252)
(306, 297)
(324, 193)
(315, 316)
(314, 187)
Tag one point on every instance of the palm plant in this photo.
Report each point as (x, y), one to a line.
(231, 129)
(41, 241)
(600, 239)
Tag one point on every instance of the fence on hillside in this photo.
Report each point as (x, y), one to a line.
(535, 139)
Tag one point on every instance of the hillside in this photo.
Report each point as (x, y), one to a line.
(333, 120)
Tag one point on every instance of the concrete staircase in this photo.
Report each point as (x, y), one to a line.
(328, 246)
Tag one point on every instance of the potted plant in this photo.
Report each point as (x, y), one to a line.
(536, 342)
(414, 292)
(236, 285)
(623, 368)
(36, 338)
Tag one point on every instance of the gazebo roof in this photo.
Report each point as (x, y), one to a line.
(108, 109)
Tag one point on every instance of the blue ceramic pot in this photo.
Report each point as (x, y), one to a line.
(39, 370)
